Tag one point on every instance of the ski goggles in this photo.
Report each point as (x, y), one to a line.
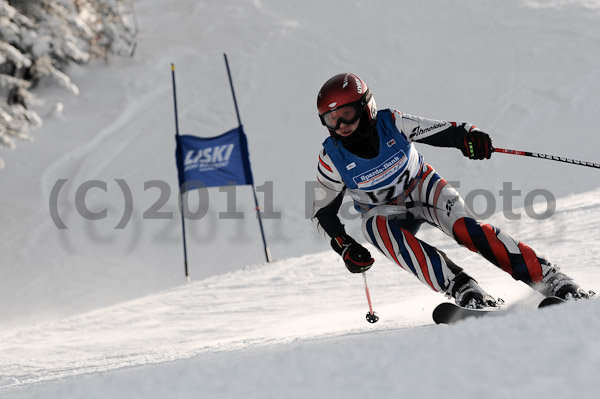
(347, 114)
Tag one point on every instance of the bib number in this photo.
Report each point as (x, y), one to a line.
(387, 194)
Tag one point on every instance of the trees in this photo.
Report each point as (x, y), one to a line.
(40, 38)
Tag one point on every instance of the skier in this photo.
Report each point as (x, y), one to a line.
(370, 154)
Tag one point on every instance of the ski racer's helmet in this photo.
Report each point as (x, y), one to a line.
(349, 93)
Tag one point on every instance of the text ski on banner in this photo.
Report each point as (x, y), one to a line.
(216, 161)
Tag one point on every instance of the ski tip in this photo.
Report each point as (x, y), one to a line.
(551, 300)
(442, 314)
(450, 313)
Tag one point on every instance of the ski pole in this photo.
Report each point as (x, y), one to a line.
(371, 316)
(546, 156)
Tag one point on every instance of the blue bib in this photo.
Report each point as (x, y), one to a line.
(376, 173)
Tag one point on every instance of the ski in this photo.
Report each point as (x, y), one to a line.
(449, 313)
(554, 300)
(551, 300)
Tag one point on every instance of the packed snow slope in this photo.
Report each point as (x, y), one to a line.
(523, 70)
(297, 328)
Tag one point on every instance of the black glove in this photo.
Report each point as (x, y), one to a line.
(477, 145)
(356, 257)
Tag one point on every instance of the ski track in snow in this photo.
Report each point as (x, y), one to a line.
(75, 159)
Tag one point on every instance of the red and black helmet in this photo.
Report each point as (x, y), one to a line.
(345, 89)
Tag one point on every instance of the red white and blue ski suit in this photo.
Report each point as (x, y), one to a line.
(396, 192)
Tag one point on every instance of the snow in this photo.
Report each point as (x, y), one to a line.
(94, 311)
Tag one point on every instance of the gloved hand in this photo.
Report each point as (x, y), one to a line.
(356, 257)
(477, 145)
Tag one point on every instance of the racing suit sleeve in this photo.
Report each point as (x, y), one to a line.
(438, 133)
(328, 197)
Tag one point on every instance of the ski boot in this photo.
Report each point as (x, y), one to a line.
(468, 294)
(560, 285)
